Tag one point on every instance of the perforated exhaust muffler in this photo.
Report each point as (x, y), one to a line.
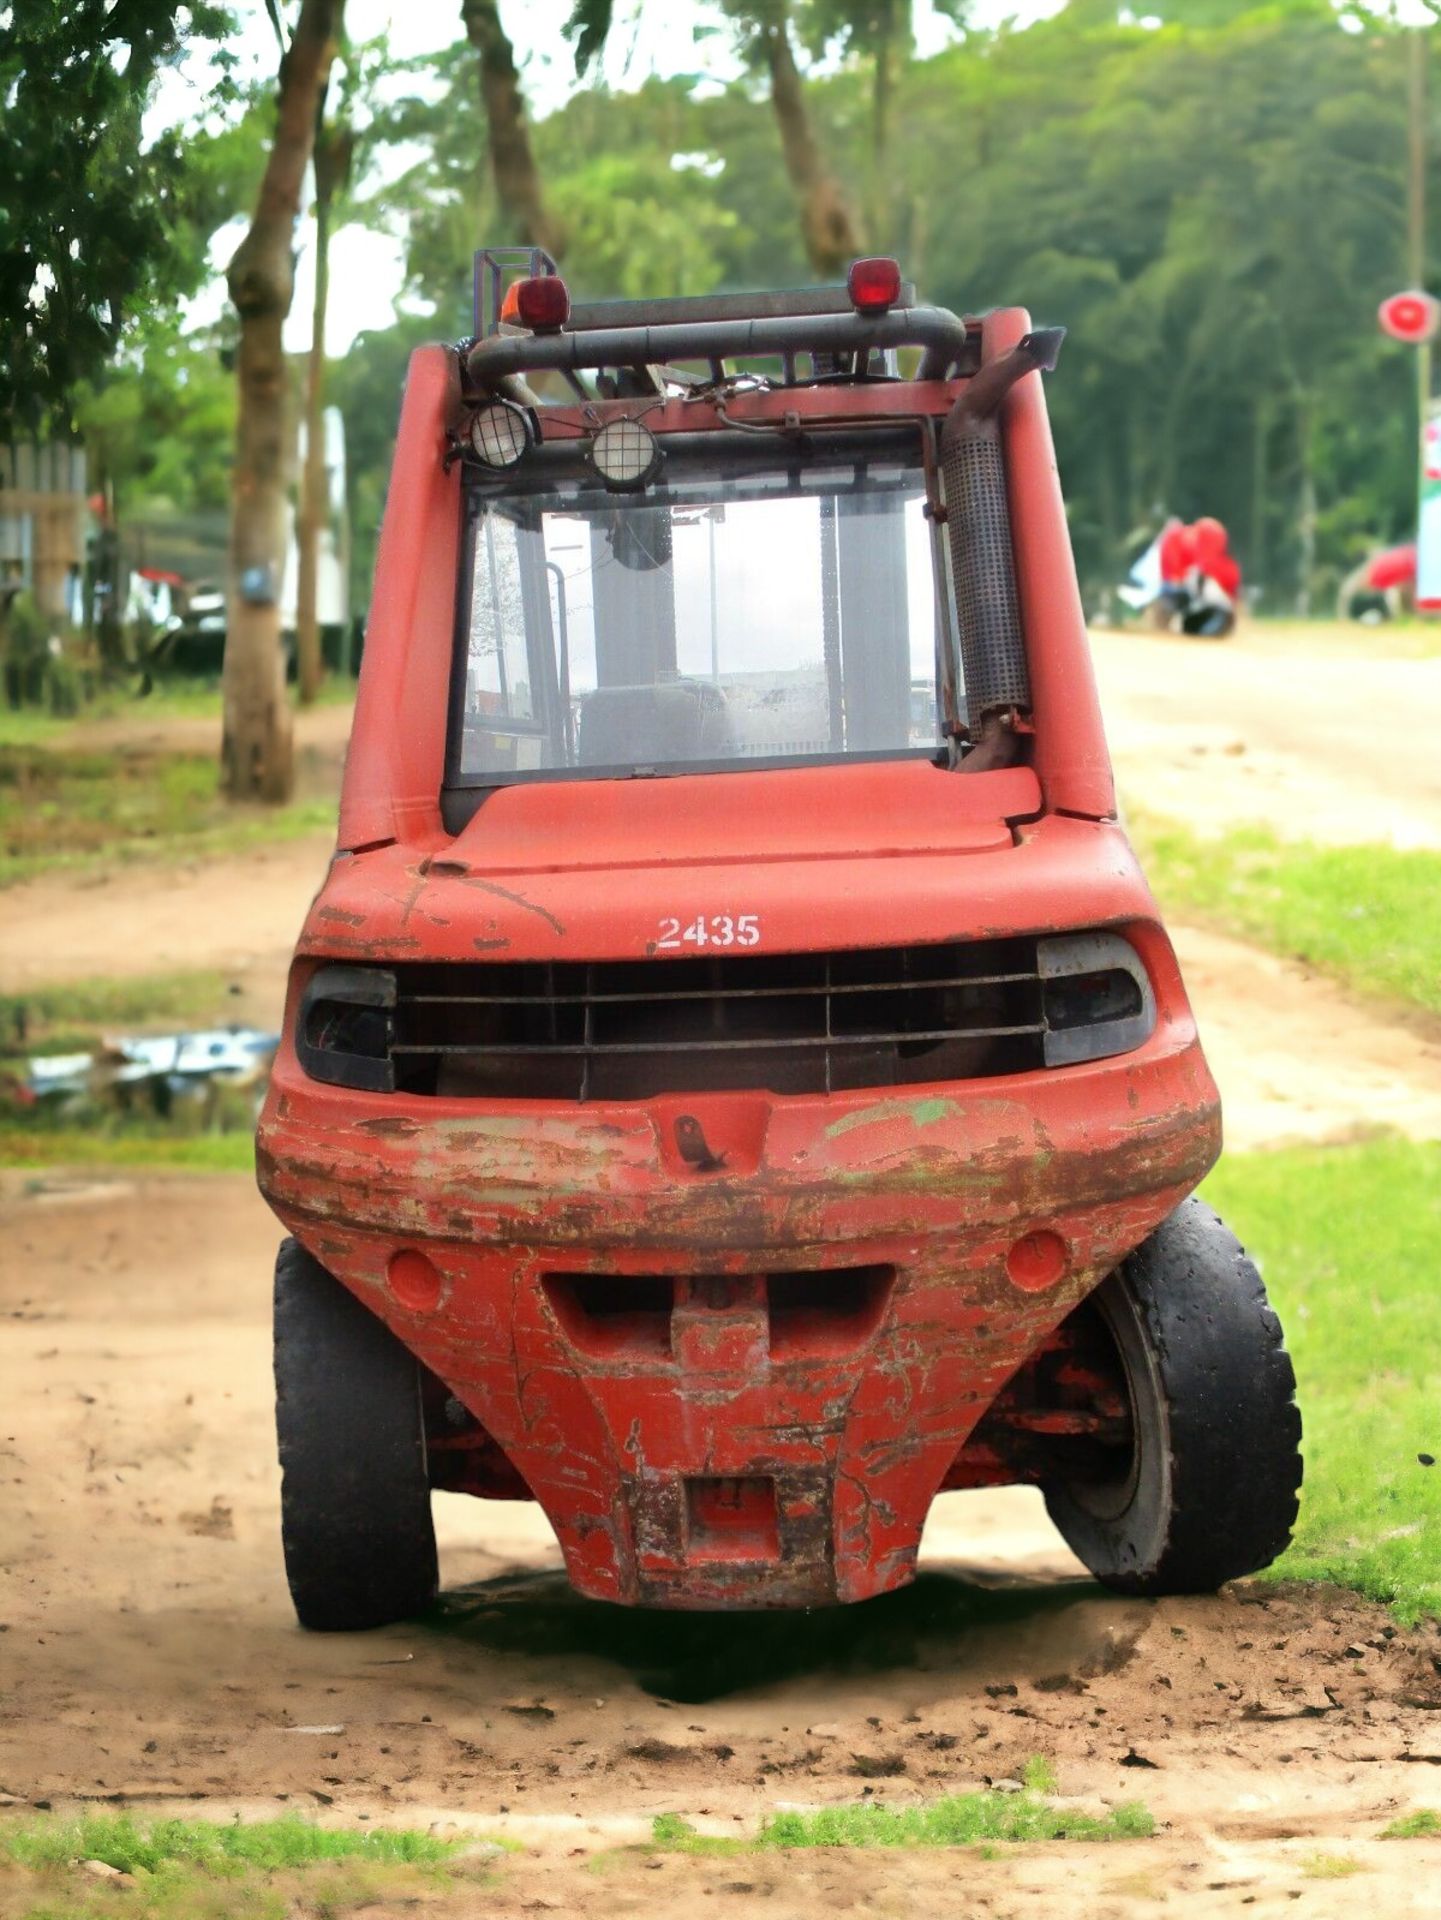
(978, 522)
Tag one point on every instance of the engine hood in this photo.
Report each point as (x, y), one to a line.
(651, 868)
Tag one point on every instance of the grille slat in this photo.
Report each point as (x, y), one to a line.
(707, 994)
(787, 1023)
(600, 1047)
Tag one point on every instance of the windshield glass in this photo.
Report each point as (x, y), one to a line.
(708, 620)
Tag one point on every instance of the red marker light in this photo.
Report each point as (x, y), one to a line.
(874, 285)
(1411, 316)
(543, 303)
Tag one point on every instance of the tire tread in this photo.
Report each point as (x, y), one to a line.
(1231, 1414)
(356, 1523)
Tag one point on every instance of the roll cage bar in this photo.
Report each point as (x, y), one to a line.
(710, 327)
(946, 344)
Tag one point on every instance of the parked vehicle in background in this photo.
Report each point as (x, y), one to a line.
(1381, 588)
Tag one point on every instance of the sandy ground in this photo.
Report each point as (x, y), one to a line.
(147, 1650)
(1323, 733)
(150, 1655)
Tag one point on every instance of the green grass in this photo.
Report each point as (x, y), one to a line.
(1349, 1243)
(30, 1142)
(1424, 1824)
(958, 1820)
(177, 699)
(73, 1016)
(1370, 916)
(149, 1846)
(198, 1870)
(211, 1132)
(670, 1833)
(68, 808)
(1329, 1866)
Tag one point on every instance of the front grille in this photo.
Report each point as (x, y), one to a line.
(789, 1023)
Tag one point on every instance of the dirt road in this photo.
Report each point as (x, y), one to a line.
(1325, 733)
(149, 1654)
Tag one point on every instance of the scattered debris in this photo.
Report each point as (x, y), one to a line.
(154, 1070)
(530, 1710)
(102, 1870)
(217, 1524)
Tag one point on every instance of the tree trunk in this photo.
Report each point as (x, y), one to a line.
(517, 179)
(827, 225)
(257, 758)
(1260, 441)
(883, 86)
(332, 170)
(1305, 510)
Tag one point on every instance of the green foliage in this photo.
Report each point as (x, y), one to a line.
(1329, 1866)
(1213, 207)
(672, 1834)
(958, 1820)
(33, 1140)
(1368, 915)
(71, 1016)
(193, 1870)
(75, 807)
(1349, 1243)
(1423, 1824)
(36, 667)
(150, 1846)
(92, 207)
(160, 423)
(1200, 204)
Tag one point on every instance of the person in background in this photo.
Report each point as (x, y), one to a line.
(1178, 560)
(1213, 584)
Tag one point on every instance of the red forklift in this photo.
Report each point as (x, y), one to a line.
(718, 1100)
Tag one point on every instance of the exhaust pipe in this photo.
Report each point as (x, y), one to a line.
(978, 521)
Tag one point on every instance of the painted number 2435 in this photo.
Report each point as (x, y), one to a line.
(711, 930)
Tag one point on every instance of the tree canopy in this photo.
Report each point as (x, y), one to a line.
(1213, 201)
(99, 222)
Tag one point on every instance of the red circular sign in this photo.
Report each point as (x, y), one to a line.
(1411, 317)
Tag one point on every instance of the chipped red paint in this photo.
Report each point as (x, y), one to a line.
(614, 1324)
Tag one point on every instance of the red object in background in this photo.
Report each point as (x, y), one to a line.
(1410, 317)
(1392, 567)
(1214, 556)
(1178, 552)
(1205, 548)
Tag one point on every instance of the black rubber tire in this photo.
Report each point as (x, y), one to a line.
(1212, 1478)
(354, 1493)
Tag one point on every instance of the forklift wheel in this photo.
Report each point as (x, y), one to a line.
(354, 1495)
(1208, 1491)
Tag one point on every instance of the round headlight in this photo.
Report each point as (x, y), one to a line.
(626, 455)
(499, 435)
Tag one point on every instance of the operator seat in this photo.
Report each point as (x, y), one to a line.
(644, 726)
